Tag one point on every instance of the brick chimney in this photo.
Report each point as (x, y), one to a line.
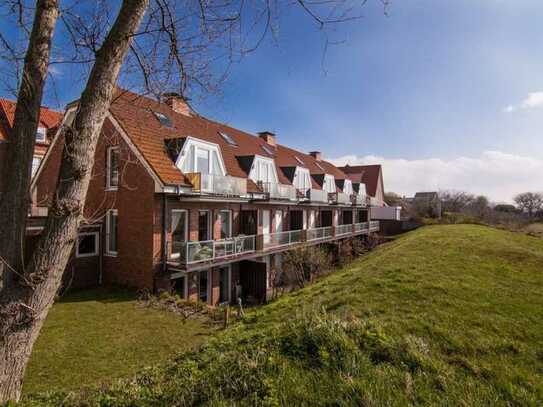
(317, 155)
(178, 103)
(268, 137)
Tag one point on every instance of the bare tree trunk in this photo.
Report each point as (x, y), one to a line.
(23, 312)
(16, 199)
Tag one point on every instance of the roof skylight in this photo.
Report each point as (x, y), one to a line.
(163, 119)
(267, 149)
(299, 160)
(228, 138)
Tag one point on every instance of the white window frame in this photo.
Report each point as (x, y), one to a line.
(302, 174)
(255, 175)
(229, 212)
(35, 171)
(329, 180)
(96, 251)
(110, 187)
(108, 232)
(186, 221)
(348, 187)
(209, 225)
(202, 145)
(41, 131)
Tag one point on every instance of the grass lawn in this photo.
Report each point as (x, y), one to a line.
(98, 335)
(445, 315)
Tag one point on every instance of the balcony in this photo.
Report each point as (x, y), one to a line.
(316, 195)
(278, 191)
(314, 235)
(210, 250)
(359, 200)
(339, 198)
(198, 255)
(217, 184)
(282, 239)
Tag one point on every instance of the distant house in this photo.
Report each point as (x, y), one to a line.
(427, 204)
(49, 120)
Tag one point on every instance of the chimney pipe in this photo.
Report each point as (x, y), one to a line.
(317, 155)
(177, 103)
(268, 137)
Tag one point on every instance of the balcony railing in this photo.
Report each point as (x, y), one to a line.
(319, 233)
(360, 227)
(359, 200)
(197, 252)
(278, 191)
(374, 225)
(339, 198)
(317, 195)
(280, 239)
(218, 184)
(343, 230)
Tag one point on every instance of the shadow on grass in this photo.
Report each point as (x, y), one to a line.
(102, 294)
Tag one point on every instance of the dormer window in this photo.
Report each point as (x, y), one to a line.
(329, 184)
(228, 138)
(302, 179)
(41, 135)
(267, 149)
(163, 119)
(348, 187)
(299, 160)
(200, 156)
(263, 170)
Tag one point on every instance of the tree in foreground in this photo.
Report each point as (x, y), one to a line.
(154, 45)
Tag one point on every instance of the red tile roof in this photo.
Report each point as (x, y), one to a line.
(135, 115)
(48, 118)
(368, 174)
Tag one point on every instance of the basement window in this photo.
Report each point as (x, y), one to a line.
(87, 245)
(163, 119)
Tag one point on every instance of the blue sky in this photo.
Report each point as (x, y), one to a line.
(446, 94)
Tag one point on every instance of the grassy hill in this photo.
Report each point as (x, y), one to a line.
(443, 315)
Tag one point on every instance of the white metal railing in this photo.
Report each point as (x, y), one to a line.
(374, 225)
(342, 230)
(343, 198)
(319, 233)
(279, 191)
(196, 252)
(218, 184)
(316, 195)
(279, 239)
(361, 227)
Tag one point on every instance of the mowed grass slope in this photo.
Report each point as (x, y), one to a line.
(449, 315)
(97, 336)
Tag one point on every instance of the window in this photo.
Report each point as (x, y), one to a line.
(228, 138)
(112, 174)
(267, 149)
(36, 161)
(204, 226)
(224, 284)
(302, 179)
(179, 222)
(348, 187)
(329, 184)
(41, 135)
(278, 221)
(111, 232)
(225, 218)
(263, 170)
(298, 160)
(163, 119)
(203, 283)
(87, 244)
(202, 157)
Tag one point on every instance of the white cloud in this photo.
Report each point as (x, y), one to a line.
(500, 176)
(532, 101)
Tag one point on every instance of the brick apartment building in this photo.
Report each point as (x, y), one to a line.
(49, 120)
(178, 201)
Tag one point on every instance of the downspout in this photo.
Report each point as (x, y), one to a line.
(100, 269)
(163, 234)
